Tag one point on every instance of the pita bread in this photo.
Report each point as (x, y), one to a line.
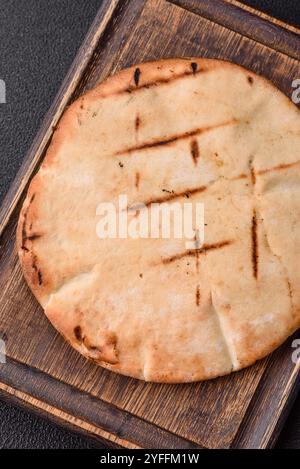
(149, 308)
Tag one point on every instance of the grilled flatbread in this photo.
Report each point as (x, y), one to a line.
(184, 130)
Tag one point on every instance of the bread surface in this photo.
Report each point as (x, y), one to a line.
(171, 131)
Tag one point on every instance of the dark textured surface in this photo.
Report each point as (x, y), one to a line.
(38, 41)
(22, 430)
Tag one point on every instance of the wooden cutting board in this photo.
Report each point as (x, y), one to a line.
(246, 409)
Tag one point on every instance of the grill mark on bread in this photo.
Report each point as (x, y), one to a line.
(252, 171)
(137, 180)
(160, 81)
(174, 138)
(137, 74)
(24, 233)
(196, 252)
(33, 236)
(253, 174)
(78, 333)
(194, 67)
(198, 295)
(195, 151)
(290, 289)
(172, 195)
(254, 239)
(37, 270)
(240, 176)
(279, 167)
(40, 277)
(168, 197)
(137, 123)
(197, 247)
(197, 261)
(24, 230)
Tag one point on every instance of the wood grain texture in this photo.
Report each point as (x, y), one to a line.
(246, 23)
(84, 410)
(245, 409)
(265, 16)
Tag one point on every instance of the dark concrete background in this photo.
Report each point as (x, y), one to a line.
(38, 41)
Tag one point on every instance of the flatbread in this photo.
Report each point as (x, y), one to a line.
(171, 131)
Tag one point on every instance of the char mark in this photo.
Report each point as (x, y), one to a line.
(159, 81)
(254, 239)
(40, 277)
(198, 295)
(290, 288)
(168, 197)
(137, 74)
(195, 151)
(194, 67)
(78, 333)
(137, 180)
(33, 237)
(196, 252)
(280, 167)
(24, 233)
(252, 171)
(24, 230)
(175, 138)
(137, 123)
(37, 270)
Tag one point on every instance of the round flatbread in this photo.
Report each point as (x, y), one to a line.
(172, 131)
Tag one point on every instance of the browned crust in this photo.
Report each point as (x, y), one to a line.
(169, 376)
(32, 269)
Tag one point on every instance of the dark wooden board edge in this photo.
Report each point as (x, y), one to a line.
(246, 23)
(262, 14)
(101, 419)
(270, 406)
(11, 397)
